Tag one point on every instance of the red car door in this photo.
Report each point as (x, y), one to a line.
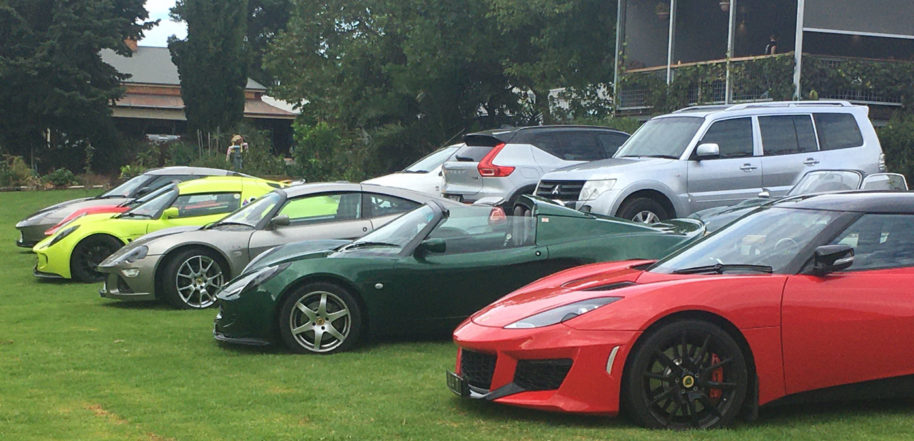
(855, 325)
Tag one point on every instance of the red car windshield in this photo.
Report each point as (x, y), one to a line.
(767, 238)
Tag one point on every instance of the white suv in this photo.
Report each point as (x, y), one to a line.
(707, 156)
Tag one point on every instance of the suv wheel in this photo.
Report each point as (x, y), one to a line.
(644, 210)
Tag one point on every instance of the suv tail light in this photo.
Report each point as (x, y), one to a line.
(488, 169)
(497, 216)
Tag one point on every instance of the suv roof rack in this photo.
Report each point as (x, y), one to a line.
(772, 104)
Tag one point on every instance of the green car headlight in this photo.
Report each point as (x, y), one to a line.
(561, 313)
(234, 288)
(61, 235)
(595, 188)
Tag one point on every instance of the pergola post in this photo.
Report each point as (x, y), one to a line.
(728, 93)
(798, 51)
(670, 42)
(620, 10)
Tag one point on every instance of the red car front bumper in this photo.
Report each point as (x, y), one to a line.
(554, 368)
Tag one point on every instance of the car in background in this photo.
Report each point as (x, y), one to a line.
(164, 265)
(821, 181)
(507, 163)
(422, 273)
(710, 156)
(809, 297)
(32, 228)
(423, 175)
(76, 249)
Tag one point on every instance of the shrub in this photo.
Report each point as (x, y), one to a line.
(60, 178)
(897, 138)
(15, 173)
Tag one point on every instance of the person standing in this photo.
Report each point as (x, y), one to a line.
(772, 45)
(234, 152)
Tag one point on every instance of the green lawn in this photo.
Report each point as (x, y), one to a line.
(74, 366)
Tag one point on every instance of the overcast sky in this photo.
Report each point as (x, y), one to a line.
(158, 36)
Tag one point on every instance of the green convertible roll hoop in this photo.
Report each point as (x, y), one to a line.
(423, 272)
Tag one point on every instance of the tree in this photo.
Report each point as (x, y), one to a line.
(56, 88)
(555, 44)
(266, 19)
(212, 62)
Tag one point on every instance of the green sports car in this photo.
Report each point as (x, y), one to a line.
(423, 272)
(77, 247)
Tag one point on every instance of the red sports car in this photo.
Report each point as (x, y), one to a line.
(796, 299)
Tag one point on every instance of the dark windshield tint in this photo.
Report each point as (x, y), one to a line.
(663, 137)
(786, 134)
(733, 136)
(837, 131)
(575, 145)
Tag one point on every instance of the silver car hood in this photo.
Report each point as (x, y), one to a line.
(605, 168)
(166, 232)
(291, 251)
(61, 210)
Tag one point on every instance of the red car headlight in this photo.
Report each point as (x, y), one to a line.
(561, 313)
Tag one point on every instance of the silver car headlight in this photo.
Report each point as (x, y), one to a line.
(61, 235)
(595, 188)
(131, 256)
(561, 313)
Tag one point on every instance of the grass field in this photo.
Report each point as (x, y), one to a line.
(74, 366)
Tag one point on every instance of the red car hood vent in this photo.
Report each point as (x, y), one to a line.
(610, 287)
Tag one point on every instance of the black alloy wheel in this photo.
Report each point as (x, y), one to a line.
(688, 374)
(90, 252)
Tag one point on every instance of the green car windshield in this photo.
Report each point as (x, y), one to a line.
(400, 231)
(770, 238)
(251, 214)
(154, 205)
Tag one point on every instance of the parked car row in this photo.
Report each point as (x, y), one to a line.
(688, 322)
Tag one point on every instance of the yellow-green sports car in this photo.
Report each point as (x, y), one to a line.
(77, 248)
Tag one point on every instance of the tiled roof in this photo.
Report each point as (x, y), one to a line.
(152, 65)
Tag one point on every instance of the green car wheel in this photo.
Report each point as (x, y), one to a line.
(320, 318)
(90, 252)
(192, 277)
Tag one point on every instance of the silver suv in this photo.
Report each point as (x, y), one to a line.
(507, 163)
(707, 156)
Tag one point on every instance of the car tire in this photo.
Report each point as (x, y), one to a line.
(191, 278)
(90, 252)
(320, 318)
(669, 382)
(644, 210)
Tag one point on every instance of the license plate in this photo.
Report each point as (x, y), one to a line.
(454, 197)
(457, 384)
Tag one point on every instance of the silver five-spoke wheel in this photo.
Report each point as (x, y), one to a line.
(648, 217)
(320, 318)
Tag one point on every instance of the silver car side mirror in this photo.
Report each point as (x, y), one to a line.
(280, 221)
(707, 151)
(764, 194)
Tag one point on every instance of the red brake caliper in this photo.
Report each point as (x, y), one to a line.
(717, 376)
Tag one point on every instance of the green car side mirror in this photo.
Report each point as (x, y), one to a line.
(170, 213)
(430, 246)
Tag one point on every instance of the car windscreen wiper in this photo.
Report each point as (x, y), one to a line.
(220, 223)
(719, 268)
(132, 214)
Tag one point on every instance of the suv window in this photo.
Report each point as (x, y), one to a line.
(473, 153)
(611, 141)
(786, 134)
(576, 145)
(880, 241)
(837, 131)
(734, 136)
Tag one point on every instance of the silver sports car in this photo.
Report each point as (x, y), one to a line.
(186, 266)
(32, 228)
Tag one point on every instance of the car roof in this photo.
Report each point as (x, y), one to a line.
(788, 107)
(505, 134)
(185, 170)
(882, 202)
(318, 187)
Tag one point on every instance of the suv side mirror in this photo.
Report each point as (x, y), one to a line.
(280, 221)
(430, 246)
(831, 258)
(170, 213)
(707, 151)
